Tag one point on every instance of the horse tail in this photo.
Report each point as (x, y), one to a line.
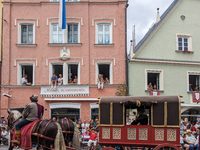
(59, 143)
(76, 142)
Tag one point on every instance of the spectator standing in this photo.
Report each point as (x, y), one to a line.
(60, 79)
(54, 119)
(4, 134)
(91, 125)
(186, 126)
(93, 138)
(154, 87)
(190, 139)
(54, 81)
(192, 127)
(85, 134)
(198, 118)
(4, 125)
(196, 88)
(84, 126)
(150, 87)
(190, 87)
(129, 122)
(186, 146)
(181, 128)
(100, 81)
(25, 81)
(2, 119)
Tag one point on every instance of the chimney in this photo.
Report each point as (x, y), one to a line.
(158, 16)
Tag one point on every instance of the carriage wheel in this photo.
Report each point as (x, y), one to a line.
(108, 148)
(166, 147)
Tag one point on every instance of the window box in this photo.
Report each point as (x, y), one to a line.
(26, 45)
(184, 51)
(64, 44)
(103, 45)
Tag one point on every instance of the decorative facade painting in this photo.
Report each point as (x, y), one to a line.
(116, 133)
(143, 134)
(131, 134)
(105, 133)
(171, 134)
(159, 134)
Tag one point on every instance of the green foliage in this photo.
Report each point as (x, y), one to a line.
(122, 90)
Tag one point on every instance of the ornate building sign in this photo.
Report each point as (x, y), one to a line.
(65, 91)
(64, 53)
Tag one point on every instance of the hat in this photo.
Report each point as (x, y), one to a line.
(3, 128)
(93, 128)
(187, 131)
(34, 98)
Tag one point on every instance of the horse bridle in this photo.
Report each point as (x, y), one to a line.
(11, 114)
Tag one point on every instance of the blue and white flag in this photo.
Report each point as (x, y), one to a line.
(62, 15)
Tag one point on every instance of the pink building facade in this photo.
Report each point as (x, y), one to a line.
(93, 43)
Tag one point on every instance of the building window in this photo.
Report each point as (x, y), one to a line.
(72, 30)
(103, 33)
(73, 73)
(25, 69)
(26, 34)
(104, 70)
(154, 80)
(194, 82)
(70, 113)
(57, 69)
(184, 42)
(94, 113)
(56, 34)
(69, 71)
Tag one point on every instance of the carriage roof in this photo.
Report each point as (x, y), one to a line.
(164, 111)
(20, 109)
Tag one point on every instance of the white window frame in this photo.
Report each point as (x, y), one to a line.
(111, 70)
(51, 30)
(160, 71)
(93, 106)
(96, 32)
(65, 71)
(188, 36)
(19, 72)
(65, 31)
(19, 31)
(64, 105)
(66, 35)
(191, 73)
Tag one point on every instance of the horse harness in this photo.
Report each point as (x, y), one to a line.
(68, 127)
(42, 135)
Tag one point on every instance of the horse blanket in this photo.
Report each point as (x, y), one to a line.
(26, 131)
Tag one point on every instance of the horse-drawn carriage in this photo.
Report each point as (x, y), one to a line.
(163, 130)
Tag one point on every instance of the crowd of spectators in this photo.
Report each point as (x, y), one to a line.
(88, 131)
(189, 134)
(4, 132)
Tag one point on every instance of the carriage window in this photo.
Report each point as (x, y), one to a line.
(194, 82)
(28, 70)
(104, 69)
(73, 73)
(132, 115)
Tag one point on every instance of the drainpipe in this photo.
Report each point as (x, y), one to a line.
(126, 57)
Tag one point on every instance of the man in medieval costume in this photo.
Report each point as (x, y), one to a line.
(31, 112)
(142, 119)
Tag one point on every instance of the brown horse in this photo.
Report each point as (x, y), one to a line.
(45, 132)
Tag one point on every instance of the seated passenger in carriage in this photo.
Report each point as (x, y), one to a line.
(142, 119)
(31, 112)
